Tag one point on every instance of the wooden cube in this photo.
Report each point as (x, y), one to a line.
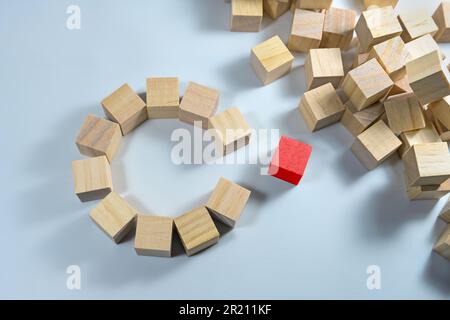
(199, 103)
(153, 236)
(338, 29)
(428, 134)
(321, 107)
(163, 98)
(246, 15)
(92, 178)
(231, 130)
(427, 164)
(324, 66)
(276, 8)
(271, 60)
(441, 111)
(376, 26)
(429, 192)
(366, 84)
(126, 108)
(114, 216)
(227, 201)
(360, 59)
(357, 122)
(428, 78)
(290, 160)
(306, 32)
(313, 4)
(392, 55)
(379, 3)
(404, 113)
(401, 86)
(422, 46)
(442, 247)
(445, 214)
(197, 230)
(442, 19)
(416, 24)
(99, 137)
(375, 145)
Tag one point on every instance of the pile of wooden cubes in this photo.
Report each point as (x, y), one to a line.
(125, 111)
(395, 98)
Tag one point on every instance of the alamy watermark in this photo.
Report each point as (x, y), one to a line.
(73, 281)
(374, 279)
(73, 21)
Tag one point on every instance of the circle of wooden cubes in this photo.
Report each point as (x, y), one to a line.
(99, 139)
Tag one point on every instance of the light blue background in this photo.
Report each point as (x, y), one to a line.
(313, 241)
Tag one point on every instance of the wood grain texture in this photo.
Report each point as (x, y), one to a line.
(379, 3)
(338, 29)
(375, 145)
(98, 137)
(416, 24)
(197, 230)
(306, 31)
(392, 55)
(404, 113)
(324, 66)
(199, 103)
(271, 60)
(227, 201)
(153, 236)
(442, 246)
(366, 84)
(126, 108)
(376, 26)
(360, 59)
(246, 15)
(163, 98)
(425, 135)
(276, 8)
(313, 4)
(427, 164)
(428, 78)
(441, 111)
(114, 216)
(231, 130)
(433, 192)
(321, 107)
(442, 19)
(357, 122)
(401, 86)
(445, 213)
(422, 46)
(92, 178)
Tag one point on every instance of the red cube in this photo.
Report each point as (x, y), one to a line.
(290, 160)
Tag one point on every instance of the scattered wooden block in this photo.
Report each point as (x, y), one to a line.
(232, 130)
(324, 66)
(442, 247)
(416, 24)
(290, 160)
(445, 214)
(357, 122)
(98, 137)
(227, 201)
(313, 4)
(429, 192)
(271, 60)
(442, 19)
(376, 26)
(276, 8)
(375, 145)
(321, 107)
(401, 86)
(379, 3)
(153, 236)
(246, 15)
(306, 32)
(339, 26)
(428, 78)
(427, 164)
(126, 108)
(392, 55)
(199, 103)
(367, 84)
(360, 59)
(114, 216)
(92, 178)
(421, 136)
(441, 111)
(163, 98)
(197, 230)
(404, 113)
(422, 46)
(444, 133)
